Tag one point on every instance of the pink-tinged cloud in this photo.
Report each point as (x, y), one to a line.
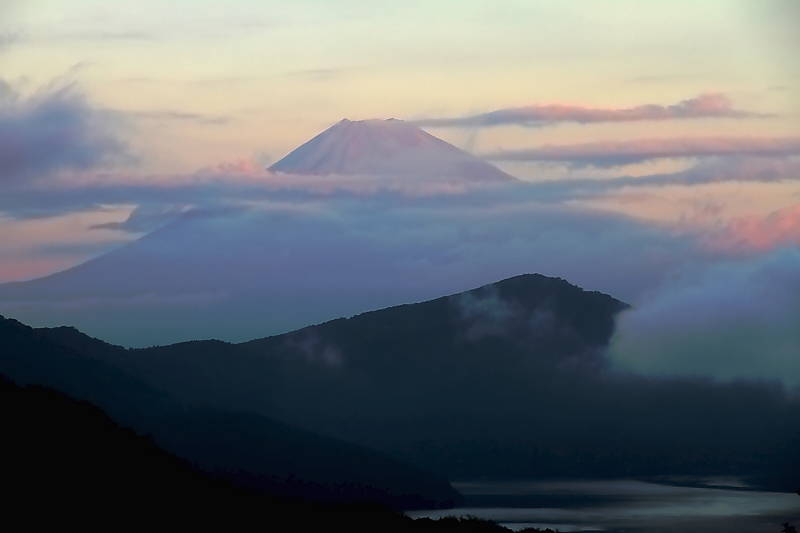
(617, 153)
(759, 233)
(33, 266)
(712, 105)
(240, 166)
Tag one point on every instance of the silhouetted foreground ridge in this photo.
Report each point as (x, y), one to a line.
(66, 460)
(247, 450)
(65, 463)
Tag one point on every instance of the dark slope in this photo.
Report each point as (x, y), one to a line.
(267, 457)
(250, 450)
(506, 380)
(66, 464)
(65, 461)
(30, 356)
(354, 363)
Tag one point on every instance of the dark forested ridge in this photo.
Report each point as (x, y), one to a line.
(67, 464)
(249, 450)
(507, 380)
(65, 460)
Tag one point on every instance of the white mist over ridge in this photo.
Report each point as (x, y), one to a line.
(385, 148)
(734, 321)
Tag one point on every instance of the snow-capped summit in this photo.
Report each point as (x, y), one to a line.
(385, 148)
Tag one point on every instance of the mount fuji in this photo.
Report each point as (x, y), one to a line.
(280, 257)
(385, 148)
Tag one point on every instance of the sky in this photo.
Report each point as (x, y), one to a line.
(672, 128)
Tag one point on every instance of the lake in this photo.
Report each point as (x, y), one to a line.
(630, 506)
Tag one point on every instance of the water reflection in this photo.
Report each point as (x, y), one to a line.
(626, 506)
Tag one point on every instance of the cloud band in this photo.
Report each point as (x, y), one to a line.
(616, 153)
(711, 105)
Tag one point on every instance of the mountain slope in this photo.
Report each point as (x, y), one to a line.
(66, 464)
(66, 459)
(385, 148)
(249, 450)
(505, 380)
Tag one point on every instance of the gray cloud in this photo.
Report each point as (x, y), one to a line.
(116, 36)
(607, 154)
(732, 321)
(712, 105)
(104, 36)
(710, 170)
(55, 130)
(234, 186)
(721, 169)
(486, 313)
(8, 38)
(313, 348)
(146, 218)
(181, 116)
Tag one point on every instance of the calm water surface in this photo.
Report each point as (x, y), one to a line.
(626, 506)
